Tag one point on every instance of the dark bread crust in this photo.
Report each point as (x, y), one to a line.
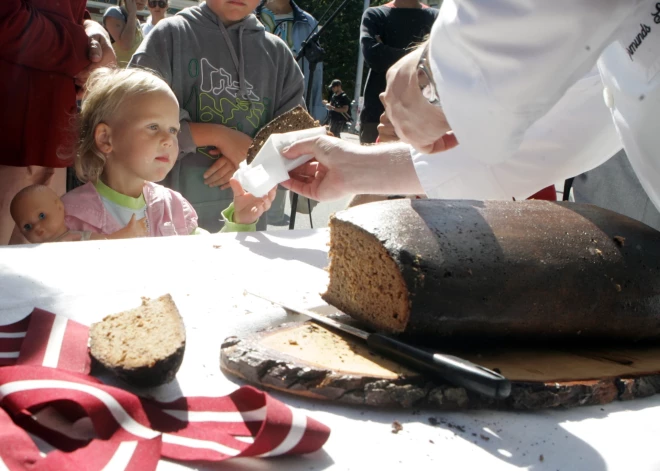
(161, 372)
(496, 268)
(296, 119)
(142, 346)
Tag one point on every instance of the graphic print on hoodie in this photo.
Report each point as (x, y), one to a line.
(239, 76)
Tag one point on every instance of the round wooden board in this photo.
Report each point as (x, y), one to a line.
(309, 360)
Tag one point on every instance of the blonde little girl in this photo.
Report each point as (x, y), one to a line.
(128, 128)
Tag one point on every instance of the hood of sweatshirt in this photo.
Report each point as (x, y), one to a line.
(204, 17)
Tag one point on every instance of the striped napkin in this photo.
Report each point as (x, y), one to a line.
(46, 391)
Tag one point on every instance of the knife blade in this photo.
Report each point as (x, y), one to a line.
(450, 368)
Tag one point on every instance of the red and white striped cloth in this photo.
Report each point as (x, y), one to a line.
(45, 390)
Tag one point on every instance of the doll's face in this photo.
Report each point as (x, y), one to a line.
(39, 216)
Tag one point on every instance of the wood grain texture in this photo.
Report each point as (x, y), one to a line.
(308, 360)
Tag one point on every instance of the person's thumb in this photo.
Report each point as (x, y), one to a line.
(236, 187)
(95, 51)
(132, 221)
(302, 147)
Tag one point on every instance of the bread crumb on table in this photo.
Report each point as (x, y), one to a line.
(396, 427)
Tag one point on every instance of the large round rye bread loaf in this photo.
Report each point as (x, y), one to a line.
(496, 268)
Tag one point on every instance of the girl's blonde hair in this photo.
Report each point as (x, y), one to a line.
(106, 92)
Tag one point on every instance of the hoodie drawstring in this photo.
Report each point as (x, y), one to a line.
(241, 60)
(239, 63)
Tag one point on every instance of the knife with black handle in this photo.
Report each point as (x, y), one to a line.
(446, 367)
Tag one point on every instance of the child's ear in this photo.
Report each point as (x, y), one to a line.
(103, 138)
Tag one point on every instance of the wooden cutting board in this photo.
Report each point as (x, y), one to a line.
(309, 360)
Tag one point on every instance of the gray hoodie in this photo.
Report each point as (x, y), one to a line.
(239, 76)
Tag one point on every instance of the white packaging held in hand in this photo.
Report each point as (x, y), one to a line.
(269, 167)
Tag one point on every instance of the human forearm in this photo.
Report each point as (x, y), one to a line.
(128, 33)
(206, 134)
(380, 57)
(377, 54)
(40, 40)
(381, 169)
(230, 143)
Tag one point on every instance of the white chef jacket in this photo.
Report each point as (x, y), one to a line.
(519, 89)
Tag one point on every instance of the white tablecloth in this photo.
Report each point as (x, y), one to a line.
(207, 277)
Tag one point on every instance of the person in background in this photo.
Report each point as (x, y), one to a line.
(158, 10)
(47, 50)
(124, 28)
(287, 20)
(388, 33)
(338, 107)
(293, 25)
(231, 78)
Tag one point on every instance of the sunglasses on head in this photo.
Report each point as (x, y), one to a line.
(157, 3)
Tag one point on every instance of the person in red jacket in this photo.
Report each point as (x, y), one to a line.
(47, 50)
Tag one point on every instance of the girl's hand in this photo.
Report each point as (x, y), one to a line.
(247, 207)
(134, 228)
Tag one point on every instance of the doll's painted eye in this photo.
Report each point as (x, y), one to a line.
(27, 227)
(42, 216)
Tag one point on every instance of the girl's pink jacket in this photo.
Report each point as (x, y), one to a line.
(168, 213)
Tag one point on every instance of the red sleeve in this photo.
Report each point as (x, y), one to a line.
(41, 41)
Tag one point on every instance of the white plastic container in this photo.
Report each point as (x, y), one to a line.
(269, 167)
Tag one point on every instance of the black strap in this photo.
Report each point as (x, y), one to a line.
(568, 184)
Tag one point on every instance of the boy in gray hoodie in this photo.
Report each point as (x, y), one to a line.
(231, 78)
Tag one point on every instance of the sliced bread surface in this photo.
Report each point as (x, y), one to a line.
(143, 346)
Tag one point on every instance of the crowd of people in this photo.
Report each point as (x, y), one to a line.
(474, 112)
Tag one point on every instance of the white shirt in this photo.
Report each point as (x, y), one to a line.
(123, 214)
(147, 26)
(519, 89)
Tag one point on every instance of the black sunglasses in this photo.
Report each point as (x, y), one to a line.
(159, 3)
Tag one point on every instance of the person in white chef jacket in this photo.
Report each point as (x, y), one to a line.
(520, 94)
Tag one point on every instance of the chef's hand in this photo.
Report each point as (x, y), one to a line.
(386, 132)
(414, 119)
(323, 178)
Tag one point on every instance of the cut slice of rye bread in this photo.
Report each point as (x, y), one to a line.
(295, 120)
(143, 346)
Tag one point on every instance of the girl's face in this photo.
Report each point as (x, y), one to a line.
(232, 11)
(140, 4)
(140, 142)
